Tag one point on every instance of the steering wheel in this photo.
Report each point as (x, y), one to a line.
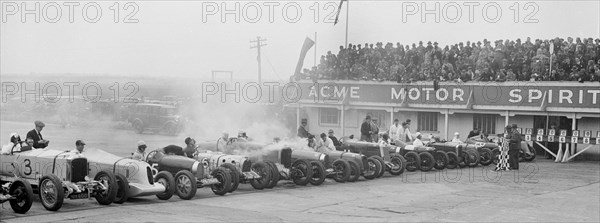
(231, 140)
(150, 157)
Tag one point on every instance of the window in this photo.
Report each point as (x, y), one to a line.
(427, 121)
(330, 116)
(485, 123)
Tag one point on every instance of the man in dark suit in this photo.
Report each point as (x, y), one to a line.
(365, 130)
(302, 132)
(38, 141)
(514, 147)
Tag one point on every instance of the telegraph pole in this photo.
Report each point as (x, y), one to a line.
(258, 44)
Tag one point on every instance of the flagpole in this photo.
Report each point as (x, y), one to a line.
(315, 59)
(347, 13)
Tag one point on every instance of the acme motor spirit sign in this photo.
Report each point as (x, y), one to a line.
(575, 95)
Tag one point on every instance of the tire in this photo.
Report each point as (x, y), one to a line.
(342, 170)
(452, 160)
(109, 180)
(275, 176)
(166, 179)
(413, 161)
(185, 184)
(235, 176)
(441, 160)
(318, 173)
(427, 161)
(495, 156)
(51, 192)
(354, 171)
(123, 185)
(463, 159)
(373, 167)
(399, 165)
(474, 158)
(224, 177)
(265, 172)
(23, 194)
(383, 166)
(171, 129)
(301, 172)
(486, 157)
(527, 157)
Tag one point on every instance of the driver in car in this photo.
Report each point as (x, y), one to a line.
(222, 142)
(14, 144)
(190, 147)
(140, 153)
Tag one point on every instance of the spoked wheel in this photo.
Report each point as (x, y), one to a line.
(123, 185)
(474, 158)
(171, 129)
(399, 165)
(275, 175)
(372, 169)
(413, 162)
(427, 161)
(383, 166)
(109, 181)
(341, 169)
(318, 176)
(264, 171)
(354, 171)
(486, 156)
(452, 160)
(441, 160)
(301, 172)
(168, 181)
(185, 184)
(23, 193)
(224, 178)
(51, 192)
(235, 176)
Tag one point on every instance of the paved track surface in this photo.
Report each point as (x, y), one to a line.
(541, 191)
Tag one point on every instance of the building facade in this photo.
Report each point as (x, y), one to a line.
(446, 108)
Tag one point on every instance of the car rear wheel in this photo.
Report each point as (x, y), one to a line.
(51, 192)
(341, 169)
(109, 181)
(171, 129)
(474, 158)
(185, 184)
(265, 172)
(235, 176)
(224, 178)
(427, 161)
(441, 160)
(452, 160)
(486, 156)
(354, 171)
(123, 190)
(138, 127)
(168, 181)
(301, 172)
(399, 165)
(23, 193)
(372, 169)
(413, 162)
(318, 176)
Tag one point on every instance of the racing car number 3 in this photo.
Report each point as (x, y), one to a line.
(27, 167)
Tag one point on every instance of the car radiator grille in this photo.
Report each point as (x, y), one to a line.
(286, 157)
(79, 169)
(246, 166)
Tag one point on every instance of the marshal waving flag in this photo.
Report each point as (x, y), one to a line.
(337, 15)
(308, 43)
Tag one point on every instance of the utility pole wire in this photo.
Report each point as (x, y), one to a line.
(258, 44)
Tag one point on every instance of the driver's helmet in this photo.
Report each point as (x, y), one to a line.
(14, 137)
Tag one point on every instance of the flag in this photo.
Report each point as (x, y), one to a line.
(308, 43)
(544, 102)
(404, 102)
(337, 15)
(471, 100)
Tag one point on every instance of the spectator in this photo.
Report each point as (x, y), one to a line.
(365, 130)
(394, 130)
(335, 141)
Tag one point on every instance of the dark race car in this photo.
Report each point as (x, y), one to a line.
(190, 174)
(424, 158)
(257, 174)
(393, 163)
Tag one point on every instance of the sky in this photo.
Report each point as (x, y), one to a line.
(193, 38)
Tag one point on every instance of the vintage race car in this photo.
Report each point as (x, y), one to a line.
(56, 175)
(242, 169)
(393, 163)
(134, 178)
(523, 156)
(18, 193)
(190, 174)
(485, 149)
(424, 158)
(278, 158)
(466, 154)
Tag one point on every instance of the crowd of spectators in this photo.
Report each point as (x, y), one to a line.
(572, 60)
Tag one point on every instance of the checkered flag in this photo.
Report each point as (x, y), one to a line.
(503, 159)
